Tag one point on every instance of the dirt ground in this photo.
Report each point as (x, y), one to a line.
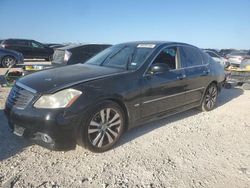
(191, 149)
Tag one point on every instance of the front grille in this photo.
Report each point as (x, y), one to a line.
(19, 98)
(58, 57)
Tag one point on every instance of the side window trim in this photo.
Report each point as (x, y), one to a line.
(163, 48)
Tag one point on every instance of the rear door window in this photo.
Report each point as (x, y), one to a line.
(19, 42)
(190, 56)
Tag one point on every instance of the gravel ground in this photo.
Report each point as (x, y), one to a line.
(191, 149)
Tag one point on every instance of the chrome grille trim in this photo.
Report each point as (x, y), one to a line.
(19, 97)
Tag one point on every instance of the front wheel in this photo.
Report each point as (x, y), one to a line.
(8, 61)
(104, 127)
(210, 98)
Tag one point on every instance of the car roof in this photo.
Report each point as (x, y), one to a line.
(80, 45)
(157, 43)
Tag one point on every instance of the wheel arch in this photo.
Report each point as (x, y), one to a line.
(124, 108)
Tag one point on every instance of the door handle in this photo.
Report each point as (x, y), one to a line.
(205, 72)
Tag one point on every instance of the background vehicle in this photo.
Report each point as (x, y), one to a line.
(77, 53)
(225, 52)
(223, 61)
(10, 57)
(29, 48)
(55, 46)
(236, 57)
(129, 84)
(246, 61)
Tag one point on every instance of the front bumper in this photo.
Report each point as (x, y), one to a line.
(49, 128)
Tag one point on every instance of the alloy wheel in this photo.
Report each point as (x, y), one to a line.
(210, 98)
(105, 127)
(8, 61)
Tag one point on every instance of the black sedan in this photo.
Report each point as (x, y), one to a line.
(30, 49)
(9, 58)
(126, 85)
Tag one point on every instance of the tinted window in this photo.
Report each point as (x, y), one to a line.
(92, 49)
(248, 53)
(168, 57)
(36, 44)
(17, 42)
(205, 58)
(190, 56)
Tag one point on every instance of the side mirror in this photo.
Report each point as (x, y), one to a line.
(159, 68)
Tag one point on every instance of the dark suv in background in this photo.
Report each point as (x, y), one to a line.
(29, 48)
(77, 53)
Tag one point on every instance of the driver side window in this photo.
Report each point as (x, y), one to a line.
(168, 56)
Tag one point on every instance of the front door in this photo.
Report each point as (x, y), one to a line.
(163, 91)
(38, 50)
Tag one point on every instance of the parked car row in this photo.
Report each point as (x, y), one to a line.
(29, 48)
(229, 56)
(57, 53)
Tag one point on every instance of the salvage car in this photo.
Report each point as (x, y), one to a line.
(235, 58)
(30, 49)
(74, 54)
(126, 85)
(223, 61)
(9, 58)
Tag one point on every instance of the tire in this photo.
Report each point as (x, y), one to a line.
(8, 61)
(103, 127)
(228, 86)
(210, 97)
(246, 86)
(49, 58)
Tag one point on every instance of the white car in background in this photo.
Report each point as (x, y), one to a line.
(246, 61)
(235, 58)
(223, 61)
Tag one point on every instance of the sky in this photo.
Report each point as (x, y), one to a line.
(206, 24)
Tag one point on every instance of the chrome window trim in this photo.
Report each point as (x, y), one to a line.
(173, 70)
(26, 87)
(169, 96)
(168, 46)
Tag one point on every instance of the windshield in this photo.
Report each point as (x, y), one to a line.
(122, 56)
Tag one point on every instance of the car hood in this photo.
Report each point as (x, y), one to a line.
(51, 80)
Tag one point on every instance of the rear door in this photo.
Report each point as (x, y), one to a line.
(165, 91)
(197, 73)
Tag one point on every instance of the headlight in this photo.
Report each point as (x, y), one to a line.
(67, 55)
(61, 99)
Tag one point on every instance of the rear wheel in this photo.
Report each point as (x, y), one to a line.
(8, 61)
(210, 97)
(49, 58)
(104, 127)
(246, 86)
